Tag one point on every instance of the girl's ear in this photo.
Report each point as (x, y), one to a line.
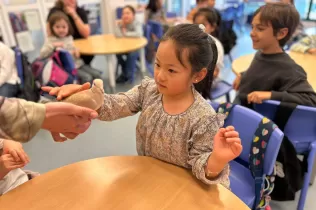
(199, 76)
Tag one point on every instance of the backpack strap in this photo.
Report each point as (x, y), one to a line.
(256, 162)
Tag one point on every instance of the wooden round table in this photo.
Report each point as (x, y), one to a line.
(109, 45)
(307, 61)
(119, 183)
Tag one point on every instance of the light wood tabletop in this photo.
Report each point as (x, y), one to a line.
(119, 183)
(109, 44)
(307, 61)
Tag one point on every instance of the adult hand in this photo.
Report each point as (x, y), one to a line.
(70, 11)
(237, 82)
(67, 119)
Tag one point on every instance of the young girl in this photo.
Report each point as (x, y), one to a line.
(208, 18)
(128, 27)
(176, 124)
(61, 37)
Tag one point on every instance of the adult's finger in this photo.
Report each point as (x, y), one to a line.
(70, 135)
(84, 113)
(57, 137)
(46, 88)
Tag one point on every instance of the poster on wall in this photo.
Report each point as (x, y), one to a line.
(25, 41)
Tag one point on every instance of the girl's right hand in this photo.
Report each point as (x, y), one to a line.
(58, 44)
(65, 90)
(7, 164)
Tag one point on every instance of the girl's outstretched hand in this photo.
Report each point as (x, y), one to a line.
(65, 90)
(227, 144)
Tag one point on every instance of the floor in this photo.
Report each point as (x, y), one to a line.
(118, 137)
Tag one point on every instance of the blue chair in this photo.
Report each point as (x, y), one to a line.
(301, 131)
(221, 88)
(119, 12)
(19, 64)
(246, 122)
(156, 29)
(171, 14)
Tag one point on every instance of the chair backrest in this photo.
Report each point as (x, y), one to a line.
(246, 122)
(171, 14)
(147, 31)
(156, 28)
(119, 11)
(300, 127)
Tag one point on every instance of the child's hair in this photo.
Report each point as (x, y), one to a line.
(200, 1)
(59, 4)
(153, 5)
(130, 8)
(57, 16)
(279, 15)
(202, 52)
(210, 16)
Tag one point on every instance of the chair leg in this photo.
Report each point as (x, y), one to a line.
(307, 177)
(230, 57)
(227, 97)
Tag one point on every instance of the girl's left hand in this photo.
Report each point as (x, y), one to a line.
(16, 150)
(227, 144)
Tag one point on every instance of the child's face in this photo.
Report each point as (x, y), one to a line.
(127, 16)
(201, 20)
(172, 78)
(61, 28)
(262, 36)
(211, 3)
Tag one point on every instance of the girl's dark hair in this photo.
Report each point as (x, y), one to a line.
(57, 16)
(210, 16)
(202, 52)
(130, 8)
(152, 5)
(59, 4)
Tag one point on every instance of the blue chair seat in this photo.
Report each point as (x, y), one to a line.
(242, 183)
(221, 88)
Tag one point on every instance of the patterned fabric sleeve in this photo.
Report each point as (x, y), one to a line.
(20, 120)
(201, 149)
(123, 104)
(304, 44)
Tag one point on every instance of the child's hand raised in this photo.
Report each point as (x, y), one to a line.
(65, 90)
(7, 164)
(227, 144)
(15, 149)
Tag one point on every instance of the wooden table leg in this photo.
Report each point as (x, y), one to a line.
(110, 61)
(313, 173)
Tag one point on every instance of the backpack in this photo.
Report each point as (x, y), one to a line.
(56, 70)
(28, 88)
(264, 183)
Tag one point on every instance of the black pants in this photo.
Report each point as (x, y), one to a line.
(87, 59)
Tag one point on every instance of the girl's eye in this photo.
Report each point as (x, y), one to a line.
(172, 71)
(157, 64)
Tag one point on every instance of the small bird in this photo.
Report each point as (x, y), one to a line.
(92, 98)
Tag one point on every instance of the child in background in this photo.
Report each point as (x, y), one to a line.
(9, 79)
(12, 159)
(305, 45)
(62, 38)
(199, 4)
(272, 73)
(176, 124)
(128, 27)
(208, 18)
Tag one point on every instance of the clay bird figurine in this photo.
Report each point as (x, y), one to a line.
(92, 98)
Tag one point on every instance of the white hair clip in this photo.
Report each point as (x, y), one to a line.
(202, 27)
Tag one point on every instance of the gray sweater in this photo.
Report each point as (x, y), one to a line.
(68, 42)
(281, 75)
(133, 29)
